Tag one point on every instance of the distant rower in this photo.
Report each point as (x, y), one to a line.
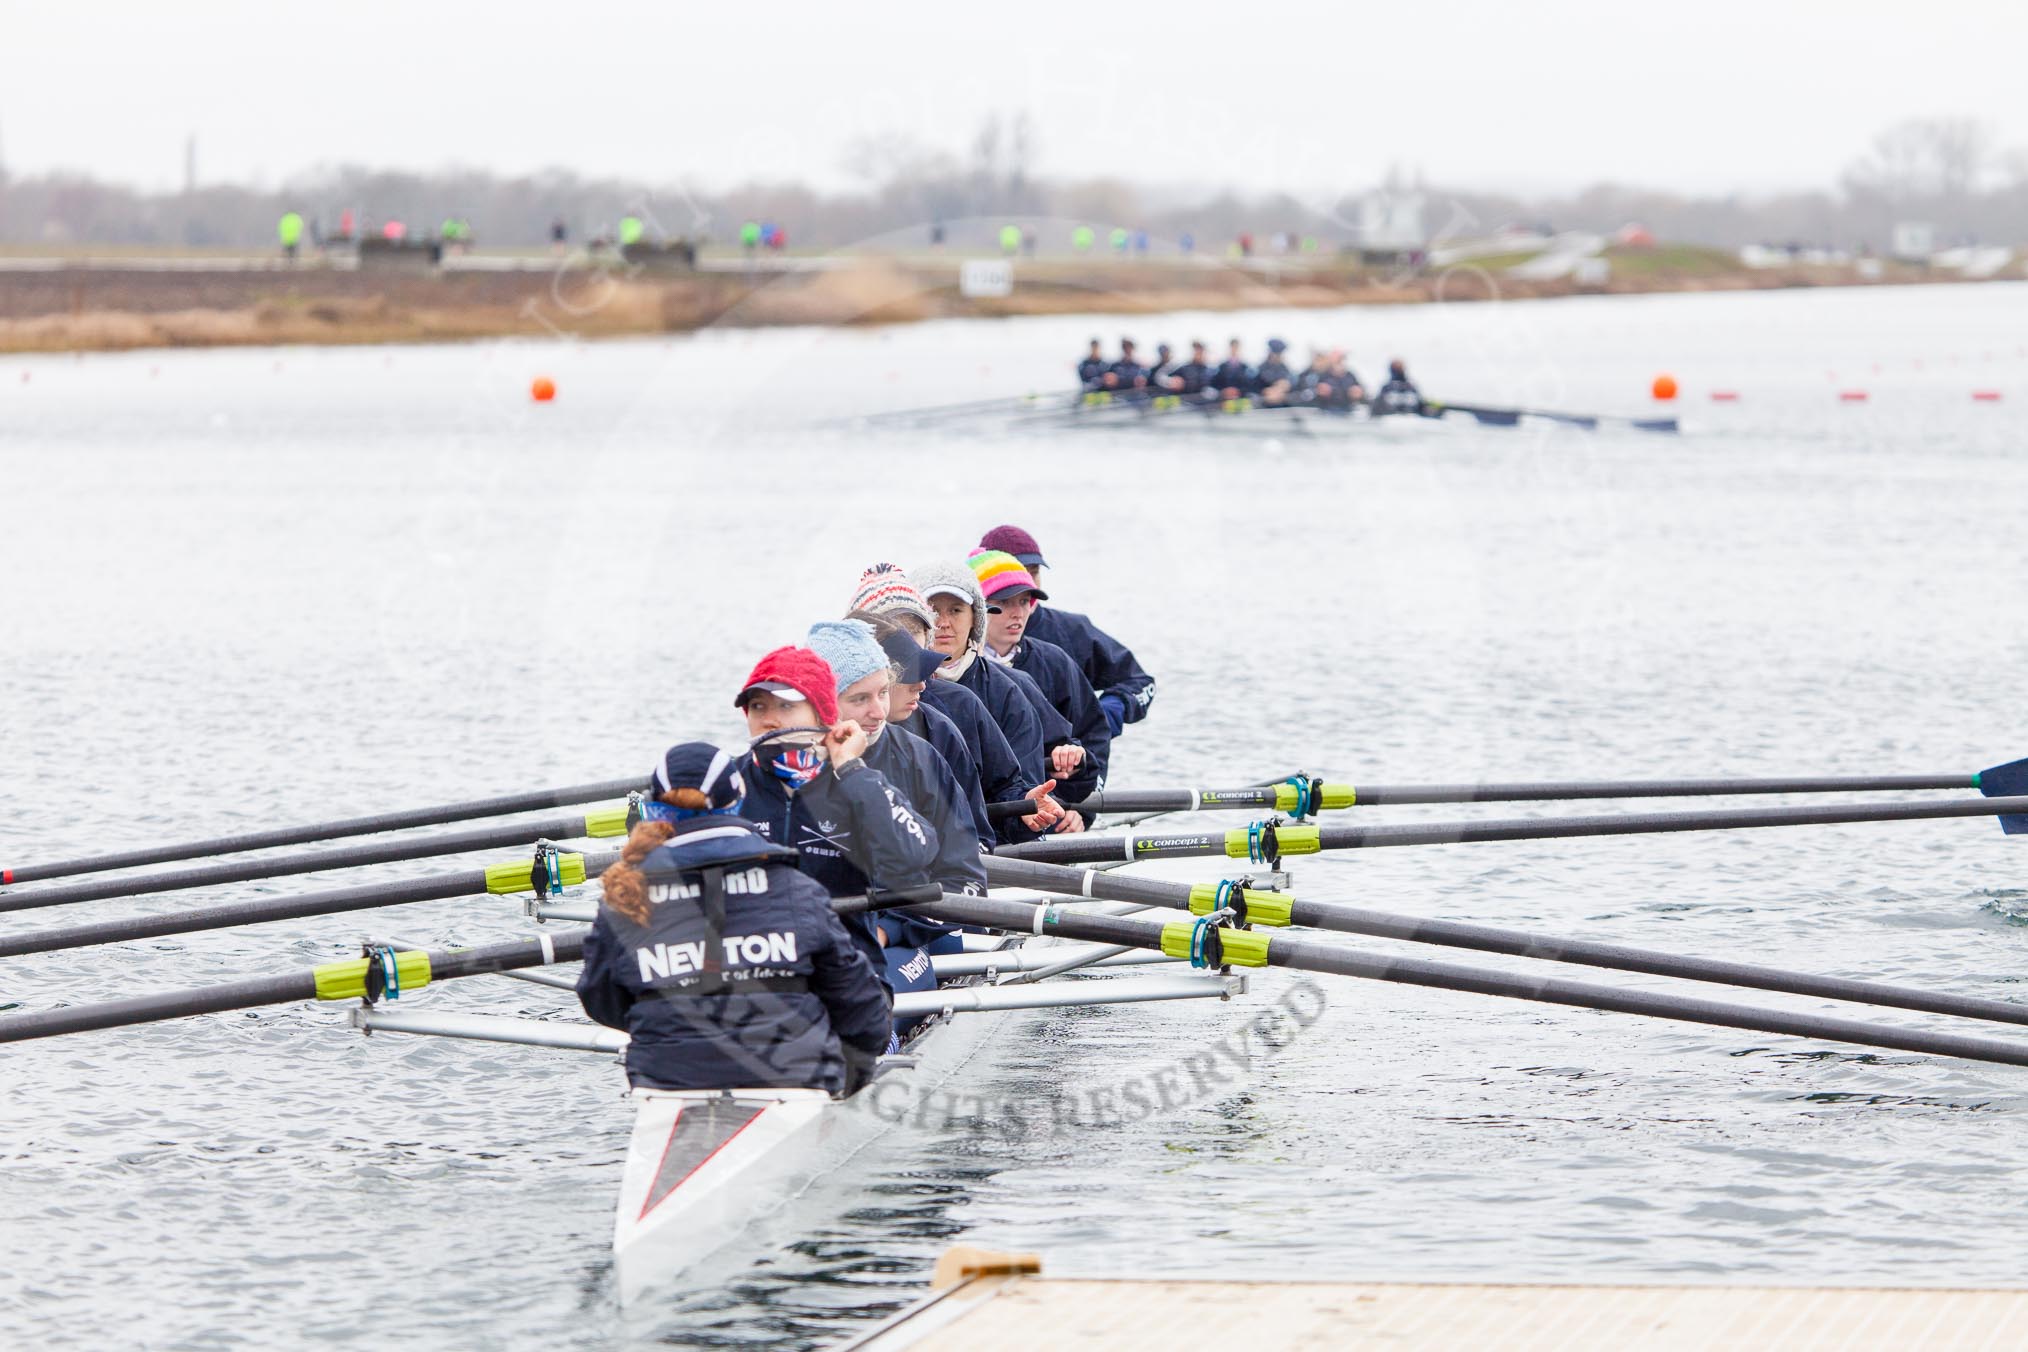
(1399, 394)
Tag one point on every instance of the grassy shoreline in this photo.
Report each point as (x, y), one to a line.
(50, 302)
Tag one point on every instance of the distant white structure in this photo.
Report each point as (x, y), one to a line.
(1914, 241)
(1391, 223)
(990, 277)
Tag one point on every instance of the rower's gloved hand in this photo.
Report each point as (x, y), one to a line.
(1115, 710)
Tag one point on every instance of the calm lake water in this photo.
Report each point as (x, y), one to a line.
(260, 587)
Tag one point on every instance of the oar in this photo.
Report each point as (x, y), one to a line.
(1508, 417)
(346, 980)
(606, 822)
(352, 979)
(1279, 908)
(1255, 948)
(967, 408)
(535, 801)
(1289, 797)
(498, 880)
(1270, 840)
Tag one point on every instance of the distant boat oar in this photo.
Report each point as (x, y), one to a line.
(1313, 795)
(1277, 909)
(1257, 948)
(1270, 840)
(970, 407)
(1590, 422)
(608, 822)
(535, 801)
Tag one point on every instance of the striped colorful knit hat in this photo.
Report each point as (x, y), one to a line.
(1000, 572)
(884, 589)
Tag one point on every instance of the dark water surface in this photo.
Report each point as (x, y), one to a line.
(254, 588)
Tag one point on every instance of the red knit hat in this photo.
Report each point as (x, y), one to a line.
(792, 674)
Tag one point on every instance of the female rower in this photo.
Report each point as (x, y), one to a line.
(864, 679)
(725, 966)
(915, 669)
(1011, 595)
(809, 789)
(1014, 701)
(1125, 691)
(1008, 749)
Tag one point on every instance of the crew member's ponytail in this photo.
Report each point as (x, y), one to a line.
(626, 890)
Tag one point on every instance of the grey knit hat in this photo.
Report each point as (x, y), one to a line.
(849, 647)
(954, 579)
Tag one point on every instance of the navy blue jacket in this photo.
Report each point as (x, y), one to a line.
(791, 983)
(1007, 704)
(1104, 660)
(1192, 376)
(1067, 690)
(1006, 691)
(1233, 375)
(851, 830)
(1271, 372)
(925, 779)
(1090, 369)
(945, 739)
(1001, 777)
(1399, 395)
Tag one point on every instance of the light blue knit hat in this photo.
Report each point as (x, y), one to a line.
(850, 648)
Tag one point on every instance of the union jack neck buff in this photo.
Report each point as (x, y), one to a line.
(797, 766)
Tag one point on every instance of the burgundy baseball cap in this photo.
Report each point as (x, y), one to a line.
(1016, 541)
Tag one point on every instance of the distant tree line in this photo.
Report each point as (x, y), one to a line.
(1949, 172)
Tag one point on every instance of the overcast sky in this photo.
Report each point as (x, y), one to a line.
(1310, 98)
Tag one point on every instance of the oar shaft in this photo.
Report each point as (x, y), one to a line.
(535, 801)
(333, 981)
(1525, 791)
(353, 856)
(1283, 950)
(1489, 939)
(1296, 839)
(1501, 791)
(338, 901)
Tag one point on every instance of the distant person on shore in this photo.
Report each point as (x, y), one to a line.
(1091, 371)
(290, 232)
(559, 235)
(1399, 394)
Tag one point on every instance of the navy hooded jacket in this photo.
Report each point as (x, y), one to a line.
(1070, 694)
(945, 739)
(1105, 661)
(926, 780)
(1001, 778)
(790, 983)
(851, 830)
(1000, 690)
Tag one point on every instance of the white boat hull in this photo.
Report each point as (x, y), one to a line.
(707, 1167)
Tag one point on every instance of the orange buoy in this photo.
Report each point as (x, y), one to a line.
(1852, 396)
(542, 390)
(1725, 396)
(1665, 387)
